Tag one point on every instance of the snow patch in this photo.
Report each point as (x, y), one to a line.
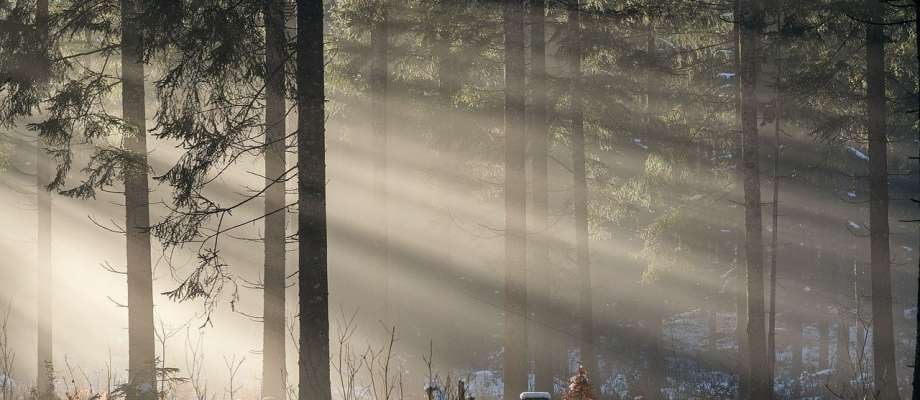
(859, 154)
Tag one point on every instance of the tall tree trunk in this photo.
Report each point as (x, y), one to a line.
(915, 392)
(43, 175)
(141, 346)
(751, 25)
(843, 367)
(824, 337)
(657, 364)
(273, 328)
(774, 234)
(377, 84)
(580, 197)
(798, 342)
(515, 357)
(539, 145)
(882, 319)
(739, 284)
(313, 278)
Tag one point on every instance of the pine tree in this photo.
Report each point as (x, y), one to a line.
(580, 387)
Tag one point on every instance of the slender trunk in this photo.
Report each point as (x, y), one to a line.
(657, 364)
(580, 197)
(824, 337)
(43, 175)
(751, 25)
(774, 237)
(915, 393)
(313, 278)
(539, 144)
(273, 333)
(740, 300)
(886, 383)
(844, 364)
(141, 346)
(798, 341)
(861, 332)
(515, 358)
(842, 351)
(377, 85)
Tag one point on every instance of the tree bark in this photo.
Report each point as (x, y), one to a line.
(273, 328)
(312, 279)
(796, 366)
(774, 237)
(43, 176)
(580, 197)
(141, 345)
(915, 392)
(657, 363)
(539, 145)
(740, 300)
(751, 25)
(515, 357)
(377, 83)
(824, 337)
(886, 384)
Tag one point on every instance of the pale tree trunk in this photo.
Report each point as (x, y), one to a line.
(580, 197)
(141, 346)
(739, 284)
(798, 342)
(751, 26)
(843, 361)
(43, 175)
(515, 356)
(774, 235)
(886, 382)
(273, 328)
(312, 277)
(540, 297)
(377, 84)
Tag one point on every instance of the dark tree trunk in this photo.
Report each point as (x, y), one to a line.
(273, 333)
(882, 319)
(377, 84)
(540, 295)
(141, 347)
(43, 175)
(657, 363)
(580, 198)
(313, 278)
(915, 393)
(751, 25)
(515, 357)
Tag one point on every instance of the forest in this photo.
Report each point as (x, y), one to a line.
(459, 199)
